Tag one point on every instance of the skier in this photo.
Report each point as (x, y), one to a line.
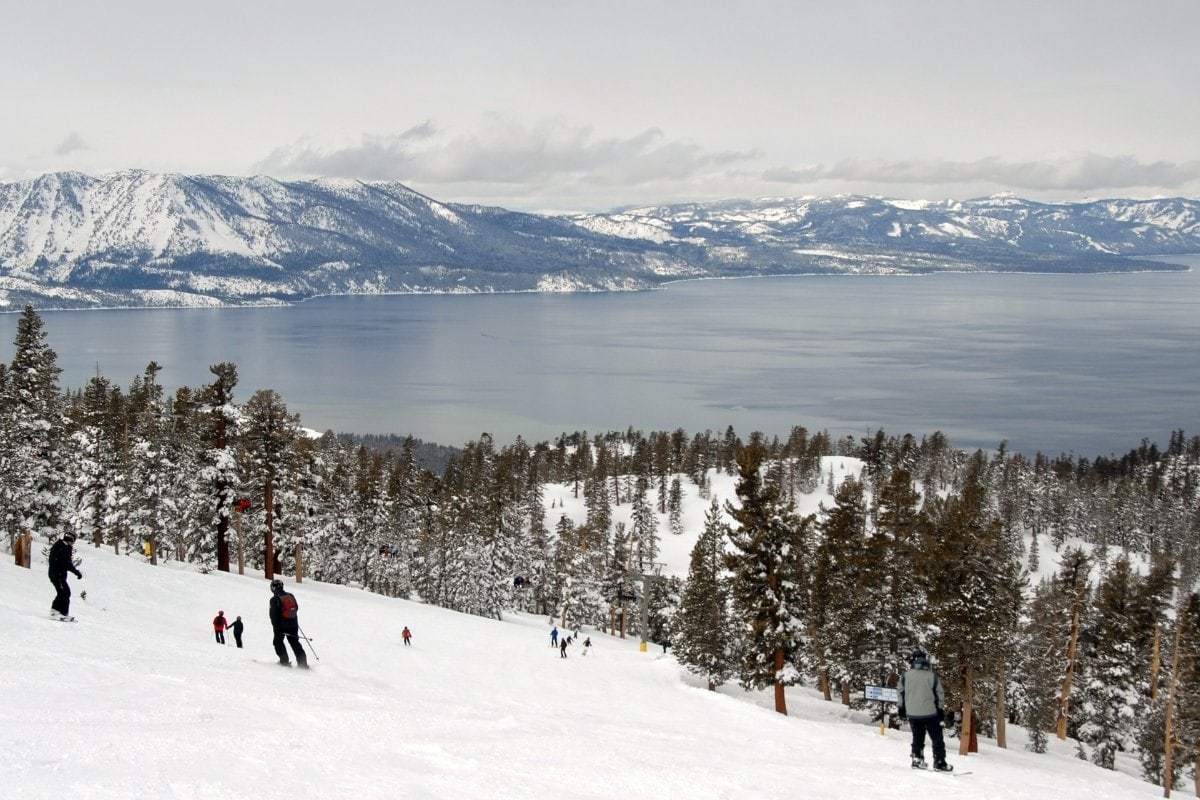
(554, 637)
(219, 626)
(237, 631)
(407, 634)
(922, 702)
(562, 649)
(587, 645)
(286, 624)
(61, 562)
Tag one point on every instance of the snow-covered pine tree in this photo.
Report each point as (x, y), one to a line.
(895, 540)
(973, 587)
(837, 590)
(220, 473)
(706, 638)
(268, 448)
(768, 581)
(1111, 666)
(31, 429)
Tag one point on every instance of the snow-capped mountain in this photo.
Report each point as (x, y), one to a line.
(143, 239)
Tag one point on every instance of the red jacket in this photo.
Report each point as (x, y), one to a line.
(219, 623)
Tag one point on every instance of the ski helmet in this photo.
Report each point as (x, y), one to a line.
(220, 613)
(69, 537)
(277, 585)
(919, 659)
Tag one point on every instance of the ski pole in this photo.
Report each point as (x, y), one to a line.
(310, 644)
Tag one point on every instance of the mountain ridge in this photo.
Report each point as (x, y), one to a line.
(144, 239)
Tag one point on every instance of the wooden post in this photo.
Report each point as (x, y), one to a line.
(28, 549)
(19, 549)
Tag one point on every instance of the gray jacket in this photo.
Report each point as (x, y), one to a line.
(920, 694)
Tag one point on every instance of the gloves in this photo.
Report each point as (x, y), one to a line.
(941, 715)
(79, 574)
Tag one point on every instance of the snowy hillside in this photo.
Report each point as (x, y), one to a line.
(136, 700)
(137, 238)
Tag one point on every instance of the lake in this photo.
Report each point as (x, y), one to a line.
(1089, 364)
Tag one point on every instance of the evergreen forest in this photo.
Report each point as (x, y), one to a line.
(1059, 593)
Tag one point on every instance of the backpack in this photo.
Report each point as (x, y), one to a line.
(287, 606)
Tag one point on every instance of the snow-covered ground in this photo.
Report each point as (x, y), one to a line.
(135, 700)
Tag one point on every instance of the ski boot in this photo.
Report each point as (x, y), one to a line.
(942, 766)
(918, 762)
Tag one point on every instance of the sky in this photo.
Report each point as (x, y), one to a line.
(136, 699)
(579, 106)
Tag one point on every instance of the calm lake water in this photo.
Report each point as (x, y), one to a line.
(1082, 364)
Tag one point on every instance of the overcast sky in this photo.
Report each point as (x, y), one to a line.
(558, 105)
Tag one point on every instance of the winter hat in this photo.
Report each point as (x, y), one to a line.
(68, 537)
(220, 613)
(277, 585)
(919, 659)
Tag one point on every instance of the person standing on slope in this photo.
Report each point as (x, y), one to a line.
(407, 635)
(285, 621)
(219, 626)
(62, 561)
(554, 637)
(922, 702)
(237, 627)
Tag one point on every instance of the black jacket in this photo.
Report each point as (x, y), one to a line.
(60, 560)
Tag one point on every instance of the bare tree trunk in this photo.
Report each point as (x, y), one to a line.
(1001, 711)
(968, 713)
(1064, 699)
(846, 693)
(1168, 723)
(269, 540)
(299, 564)
(780, 699)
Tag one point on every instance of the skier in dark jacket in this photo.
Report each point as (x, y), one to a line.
(236, 627)
(922, 702)
(62, 562)
(286, 624)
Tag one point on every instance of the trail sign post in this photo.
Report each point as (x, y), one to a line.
(882, 694)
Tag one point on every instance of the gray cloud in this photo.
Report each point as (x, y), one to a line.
(502, 152)
(1082, 172)
(72, 143)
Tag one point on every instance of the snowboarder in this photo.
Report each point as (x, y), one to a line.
(922, 702)
(587, 645)
(237, 631)
(62, 561)
(285, 623)
(407, 634)
(554, 637)
(562, 649)
(219, 626)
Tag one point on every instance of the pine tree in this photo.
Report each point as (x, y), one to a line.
(31, 429)
(974, 588)
(706, 638)
(269, 441)
(1111, 666)
(767, 562)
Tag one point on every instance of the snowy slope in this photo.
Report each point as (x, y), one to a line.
(136, 700)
